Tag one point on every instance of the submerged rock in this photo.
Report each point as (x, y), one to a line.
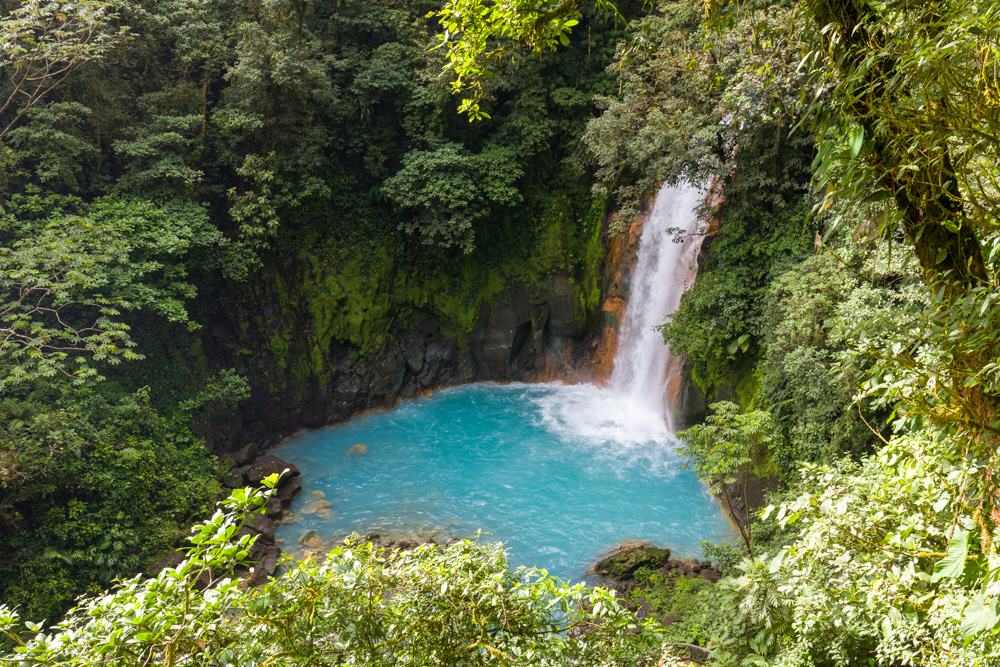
(357, 449)
(311, 539)
(314, 507)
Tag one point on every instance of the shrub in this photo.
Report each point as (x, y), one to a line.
(459, 604)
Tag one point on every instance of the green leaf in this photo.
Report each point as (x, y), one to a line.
(857, 141)
(978, 617)
(952, 565)
(877, 196)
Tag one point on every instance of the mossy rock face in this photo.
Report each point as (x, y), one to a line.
(623, 564)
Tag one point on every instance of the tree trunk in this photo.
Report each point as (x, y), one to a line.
(736, 519)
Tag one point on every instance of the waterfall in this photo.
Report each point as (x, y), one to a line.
(662, 272)
(631, 413)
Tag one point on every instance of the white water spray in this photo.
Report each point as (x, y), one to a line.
(633, 411)
(663, 269)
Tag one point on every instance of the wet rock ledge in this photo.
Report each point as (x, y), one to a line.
(620, 571)
(248, 468)
(628, 569)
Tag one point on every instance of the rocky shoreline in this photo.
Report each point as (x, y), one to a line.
(629, 565)
(247, 468)
(635, 569)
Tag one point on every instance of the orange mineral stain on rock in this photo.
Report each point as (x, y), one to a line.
(621, 256)
(612, 311)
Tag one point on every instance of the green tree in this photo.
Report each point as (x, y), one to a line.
(726, 451)
(69, 271)
(55, 145)
(93, 486)
(44, 43)
(479, 34)
(161, 161)
(448, 190)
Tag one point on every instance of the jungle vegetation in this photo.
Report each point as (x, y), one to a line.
(158, 155)
(162, 159)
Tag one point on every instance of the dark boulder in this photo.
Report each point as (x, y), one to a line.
(259, 547)
(240, 457)
(246, 455)
(622, 565)
(264, 527)
(288, 492)
(234, 480)
(264, 568)
(415, 357)
(347, 390)
(440, 352)
(269, 465)
(273, 508)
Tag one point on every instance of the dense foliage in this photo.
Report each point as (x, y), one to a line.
(300, 173)
(92, 488)
(874, 353)
(168, 167)
(478, 35)
(459, 604)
